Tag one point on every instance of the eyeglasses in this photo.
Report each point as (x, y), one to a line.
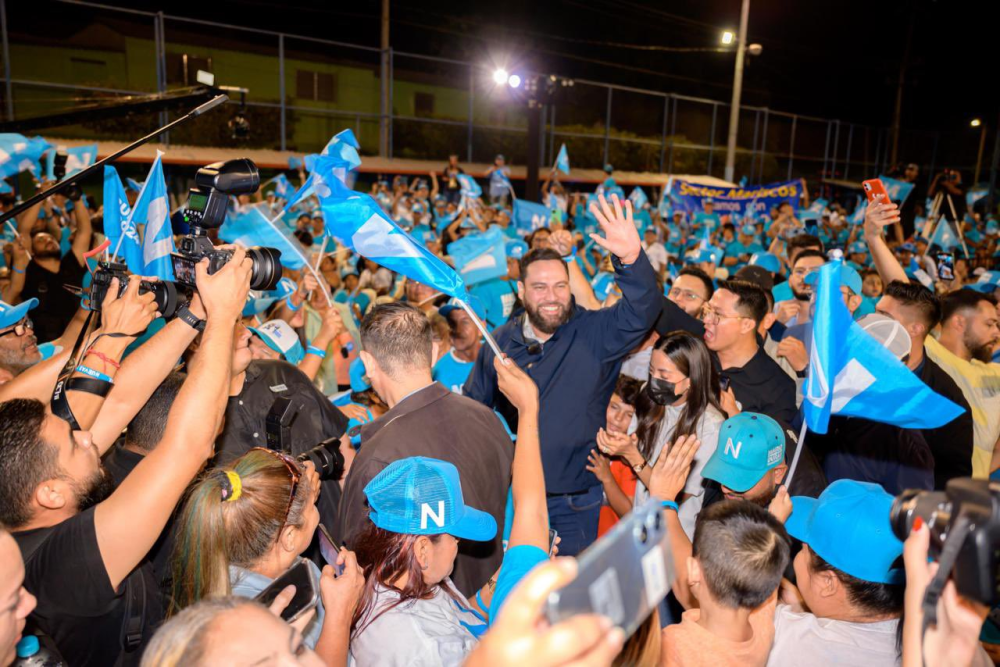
(677, 293)
(20, 328)
(294, 472)
(710, 315)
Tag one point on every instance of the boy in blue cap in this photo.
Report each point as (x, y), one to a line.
(849, 575)
(739, 252)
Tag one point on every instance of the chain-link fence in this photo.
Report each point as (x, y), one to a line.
(301, 90)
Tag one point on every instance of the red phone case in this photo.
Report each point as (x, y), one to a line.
(874, 187)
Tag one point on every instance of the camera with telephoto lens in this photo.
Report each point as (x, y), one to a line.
(72, 192)
(207, 204)
(974, 503)
(164, 292)
(326, 458)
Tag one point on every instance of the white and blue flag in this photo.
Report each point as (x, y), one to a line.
(469, 187)
(78, 158)
(562, 160)
(152, 209)
(358, 222)
(118, 224)
(283, 188)
(480, 257)
(818, 207)
(529, 216)
(253, 227)
(638, 198)
(897, 190)
(343, 148)
(19, 153)
(852, 374)
(944, 235)
(858, 216)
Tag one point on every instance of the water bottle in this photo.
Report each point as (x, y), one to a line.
(37, 651)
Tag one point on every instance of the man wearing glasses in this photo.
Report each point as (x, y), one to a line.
(18, 345)
(691, 290)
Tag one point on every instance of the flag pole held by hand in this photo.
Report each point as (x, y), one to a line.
(795, 458)
(482, 328)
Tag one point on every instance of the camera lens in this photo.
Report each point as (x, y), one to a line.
(165, 293)
(326, 458)
(266, 268)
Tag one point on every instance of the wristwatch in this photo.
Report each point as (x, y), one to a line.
(638, 468)
(191, 319)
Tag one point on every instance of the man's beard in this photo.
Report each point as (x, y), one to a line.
(763, 500)
(980, 351)
(46, 253)
(801, 296)
(546, 326)
(96, 489)
(17, 361)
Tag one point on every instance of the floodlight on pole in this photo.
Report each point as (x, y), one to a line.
(514, 81)
(728, 37)
(734, 108)
(975, 122)
(500, 77)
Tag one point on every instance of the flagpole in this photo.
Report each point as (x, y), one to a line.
(131, 213)
(482, 328)
(326, 293)
(17, 235)
(795, 459)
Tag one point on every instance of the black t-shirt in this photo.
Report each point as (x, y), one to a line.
(451, 183)
(317, 420)
(77, 605)
(762, 386)
(56, 306)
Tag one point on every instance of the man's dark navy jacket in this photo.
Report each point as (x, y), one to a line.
(576, 371)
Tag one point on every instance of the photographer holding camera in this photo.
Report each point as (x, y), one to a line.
(84, 549)
(949, 184)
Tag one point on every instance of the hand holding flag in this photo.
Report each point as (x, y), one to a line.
(562, 160)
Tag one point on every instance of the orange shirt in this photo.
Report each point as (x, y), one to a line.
(687, 644)
(626, 482)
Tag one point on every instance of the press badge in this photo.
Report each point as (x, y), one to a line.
(278, 387)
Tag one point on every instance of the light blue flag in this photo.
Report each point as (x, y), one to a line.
(282, 186)
(974, 195)
(944, 235)
(133, 184)
(897, 190)
(529, 216)
(818, 206)
(19, 153)
(343, 147)
(470, 188)
(858, 217)
(357, 221)
(852, 374)
(118, 224)
(638, 198)
(152, 209)
(5, 187)
(78, 158)
(562, 160)
(480, 257)
(253, 227)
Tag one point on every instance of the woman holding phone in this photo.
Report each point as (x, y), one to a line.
(410, 612)
(681, 398)
(246, 524)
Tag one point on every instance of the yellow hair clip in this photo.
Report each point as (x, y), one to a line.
(232, 486)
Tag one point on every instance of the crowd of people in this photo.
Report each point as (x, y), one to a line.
(645, 352)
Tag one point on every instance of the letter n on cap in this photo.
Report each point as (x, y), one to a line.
(436, 517)
(734, 450)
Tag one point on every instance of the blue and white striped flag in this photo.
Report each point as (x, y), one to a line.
(152, 209)
(944, 235)
(480, 257)
(253, 227)
(851, 373)
(897, 190)
(18, 153)
(357, 221)
(469, 187)
(638, 198)
(283, 188)
(78, 158)
(562, 160)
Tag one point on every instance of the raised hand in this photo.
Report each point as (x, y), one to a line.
(562, 242)
(225, 292)
(781, 505)
(129, 314)
(621, 238)
(598, 464)
(670, 472)
(880, 214)
(616, 444)
(516, 385)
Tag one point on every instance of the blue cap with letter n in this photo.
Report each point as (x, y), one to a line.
(750, 444)
(848, 527)
(423, 496)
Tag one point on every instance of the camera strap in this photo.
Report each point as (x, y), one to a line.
(949, 554)
(59, 403)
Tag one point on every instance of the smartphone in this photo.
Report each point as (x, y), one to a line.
(624, 575)
(946, 266)
(306, 585)
(329, 551)
(724, 382)
(873, 186)
(553, 534)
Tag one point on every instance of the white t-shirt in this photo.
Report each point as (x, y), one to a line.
(708, 432)
(418, 633)
(802, 638)
(657, 254)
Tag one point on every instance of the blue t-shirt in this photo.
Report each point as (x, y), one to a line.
(867, 307)
(499, 179)
(711, 219)
(452, 372)
(735, 249)
(498, 297)
(518, 562)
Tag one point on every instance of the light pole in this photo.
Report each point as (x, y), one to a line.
(734, 111)
(982, 142)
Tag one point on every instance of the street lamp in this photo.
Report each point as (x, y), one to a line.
(500, 76)
(734, 111)
(514, 81)
(982, 143)
(728, 37)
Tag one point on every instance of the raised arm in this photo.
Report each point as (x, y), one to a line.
(331, 328)
(19, 265)
(131, 520)
(140, 374)
(84, 231)
(879, 215)
(666, 481)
